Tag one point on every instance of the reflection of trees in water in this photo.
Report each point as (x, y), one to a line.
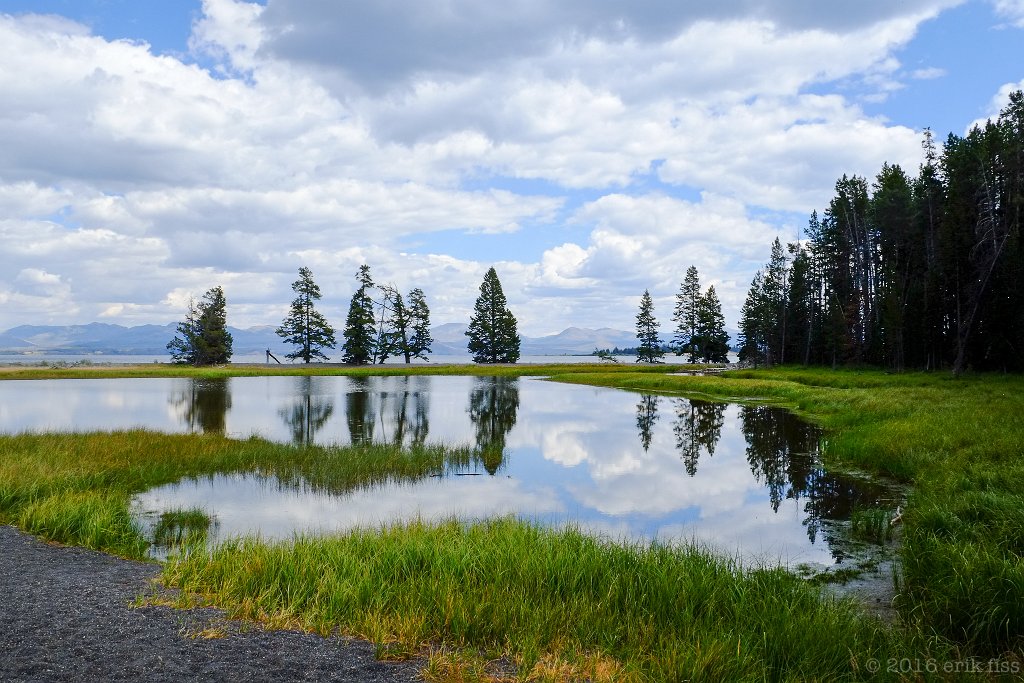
(204, 404)
(646, 416)
(493, 408)
(408, 408)
(782, 451)
(309, 413)
(360, 411)
(697, 428)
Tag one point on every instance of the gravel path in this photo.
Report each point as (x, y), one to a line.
(66, 615)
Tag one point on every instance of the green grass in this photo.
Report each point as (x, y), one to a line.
(958, 442)
(542, 597)
(58, 371)
(76, 488)
(873, 525)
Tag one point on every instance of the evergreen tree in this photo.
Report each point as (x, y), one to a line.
(304, 326)
(393, 333)
(900, 264)
(184, 346)
(752, 345)
(649, 348)
(492, 329)
(912, 272)
(419, 315)
(774, 305)
(405, 328)
(800, 305)
(360, 332)
(711, 341)
(203, 337)
(685, 315)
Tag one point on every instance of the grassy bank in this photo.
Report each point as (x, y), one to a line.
(75, 488)
(574, 603)
(56, 371)
(960, 441)
(559, 604)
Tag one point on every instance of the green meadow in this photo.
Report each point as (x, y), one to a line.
(559, 604)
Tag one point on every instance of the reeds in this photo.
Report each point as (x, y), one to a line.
(547, 600)
(873, 525)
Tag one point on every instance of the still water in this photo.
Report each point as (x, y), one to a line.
(744, 480)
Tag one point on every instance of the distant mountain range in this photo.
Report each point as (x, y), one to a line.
(102, 338)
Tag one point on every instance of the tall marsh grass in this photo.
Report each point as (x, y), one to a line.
(540, 596)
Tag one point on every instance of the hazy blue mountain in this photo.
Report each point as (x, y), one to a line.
(578, 340)
(449, 339)
(118, 339)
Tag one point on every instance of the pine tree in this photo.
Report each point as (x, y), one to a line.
(752, 343)
(649, 348)
(800, 305)
(492, 329)
(711, 342)
(405, 329)
(395, 322)
(304, 326)
(773, 324)
(360, 333)
(183, 347)
(203, 337)
(685, 315)
(912, 272)
(419, 314)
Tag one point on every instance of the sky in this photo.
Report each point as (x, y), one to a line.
(587, 149)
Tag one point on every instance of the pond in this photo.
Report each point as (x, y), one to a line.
(744, 480)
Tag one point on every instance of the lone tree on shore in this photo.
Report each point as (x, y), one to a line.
(492, 329)
(203, 337)
(304, 326)
(649, 349)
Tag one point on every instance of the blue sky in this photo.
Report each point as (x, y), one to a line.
(150, 150)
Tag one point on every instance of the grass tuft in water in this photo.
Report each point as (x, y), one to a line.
(873, 525)
(181, 528)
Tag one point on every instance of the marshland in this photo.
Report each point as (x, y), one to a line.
(596, 563)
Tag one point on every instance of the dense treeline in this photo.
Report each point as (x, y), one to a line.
(918, 272)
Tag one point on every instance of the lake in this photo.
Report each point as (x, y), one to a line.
(745, 480)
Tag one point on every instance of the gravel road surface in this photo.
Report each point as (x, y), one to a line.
(66, 615)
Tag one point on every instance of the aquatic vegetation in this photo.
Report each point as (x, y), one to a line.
(873, 525)
(182, 528)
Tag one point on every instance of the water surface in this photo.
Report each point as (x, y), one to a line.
(744, 480)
